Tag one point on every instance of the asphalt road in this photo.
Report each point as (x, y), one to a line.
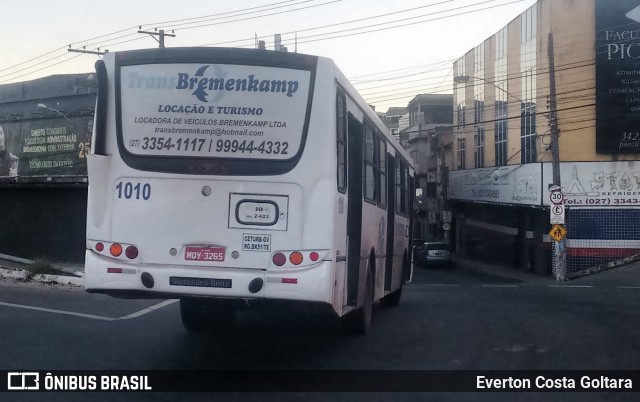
(447, 320)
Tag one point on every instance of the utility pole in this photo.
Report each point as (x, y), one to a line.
(98, 52)
(555, 149)
(560, 247)
(160, 35)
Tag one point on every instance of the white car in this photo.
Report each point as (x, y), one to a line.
(433, 253)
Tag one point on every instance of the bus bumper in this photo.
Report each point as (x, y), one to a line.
(117, 278)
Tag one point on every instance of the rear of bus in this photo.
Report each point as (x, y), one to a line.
(212, 176)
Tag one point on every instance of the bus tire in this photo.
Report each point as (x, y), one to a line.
(392, 299)
(199, 315)
(359, 321)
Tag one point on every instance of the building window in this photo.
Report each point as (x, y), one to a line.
(528, 75)
(501, 142)
(432, 189)
(459, 90)
(461, 153)
(502, 100)
(460, 116)
(478, 148)
(528, 133)
(478, 107)
(478, 85)
(341, 130)
(478, 110)
(529, 24)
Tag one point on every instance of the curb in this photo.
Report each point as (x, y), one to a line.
(498, 271)
(59, 267)
(604, 267)
(20, 274)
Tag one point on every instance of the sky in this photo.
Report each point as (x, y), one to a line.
(390, 50)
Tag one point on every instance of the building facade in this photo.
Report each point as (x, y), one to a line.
(428, 140)
(45, 135)
(392, 119)
(564, 65)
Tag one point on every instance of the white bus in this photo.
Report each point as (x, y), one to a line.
(233, 177)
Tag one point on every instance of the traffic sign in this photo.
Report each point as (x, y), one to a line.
(557, 232)
(432, 217)
(446, 226)
(557, 214)
(446, 216)
(556, 197)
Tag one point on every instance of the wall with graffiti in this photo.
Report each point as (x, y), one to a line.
(45, 128)
(45, 134)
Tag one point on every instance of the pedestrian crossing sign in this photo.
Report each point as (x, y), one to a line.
(557, 232)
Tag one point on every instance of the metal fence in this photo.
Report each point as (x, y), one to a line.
(598, 238)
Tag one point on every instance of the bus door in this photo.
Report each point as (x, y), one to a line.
(391, 214)
(354, 207)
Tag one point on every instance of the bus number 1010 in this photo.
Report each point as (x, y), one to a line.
(130, 190)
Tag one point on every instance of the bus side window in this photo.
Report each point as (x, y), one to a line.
(341, 132)
(382, 177)
(369, 165)
(398, 186)
(408, 197)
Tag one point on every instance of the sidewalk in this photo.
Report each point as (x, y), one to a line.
(17, 268)
(623, 275)
(500, 271)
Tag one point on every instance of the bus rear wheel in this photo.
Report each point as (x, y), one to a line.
(359, 321)
(201, 315)
(392, 299)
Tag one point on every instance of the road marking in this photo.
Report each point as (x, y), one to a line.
(422, 285)
(571, 286)
(500, 286)
(92, 316)
(443, 284)
(628, 287)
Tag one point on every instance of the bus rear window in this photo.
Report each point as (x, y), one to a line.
(221, 111)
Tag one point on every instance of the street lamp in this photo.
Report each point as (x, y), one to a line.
(43, 106)
(463, 79)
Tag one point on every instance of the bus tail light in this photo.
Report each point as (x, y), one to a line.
(120, 251)
(279, 259)
(297, 258)
(115, 250)
(131, 252)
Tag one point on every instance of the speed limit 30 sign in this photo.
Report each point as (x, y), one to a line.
(556, 197)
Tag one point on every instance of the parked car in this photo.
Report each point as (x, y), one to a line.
(432, 253)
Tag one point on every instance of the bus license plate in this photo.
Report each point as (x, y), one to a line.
(197, 253)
